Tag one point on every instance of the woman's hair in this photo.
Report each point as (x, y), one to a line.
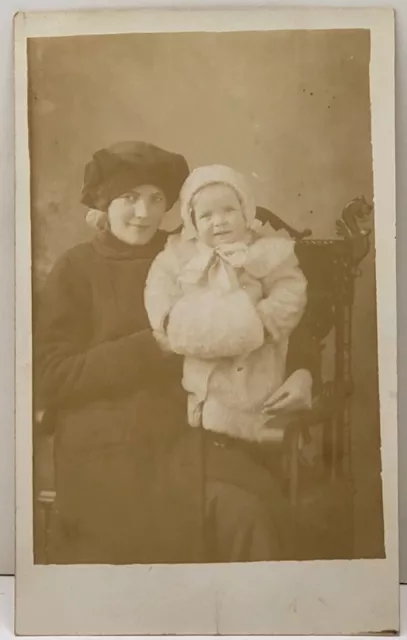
(97, 219)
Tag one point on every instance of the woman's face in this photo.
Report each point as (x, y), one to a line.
(219, 216)
(135, 216)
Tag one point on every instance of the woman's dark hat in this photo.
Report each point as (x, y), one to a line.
(126, 165)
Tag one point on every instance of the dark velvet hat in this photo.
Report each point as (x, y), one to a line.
(124, 166)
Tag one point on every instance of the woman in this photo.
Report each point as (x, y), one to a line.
(128, 469)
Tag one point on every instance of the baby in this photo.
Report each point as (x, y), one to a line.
(226, 293)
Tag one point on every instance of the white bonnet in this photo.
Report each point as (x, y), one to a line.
(215, 174)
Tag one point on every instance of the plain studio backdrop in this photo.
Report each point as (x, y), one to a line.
(291, 109)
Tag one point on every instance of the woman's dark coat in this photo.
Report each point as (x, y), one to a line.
(128, 468)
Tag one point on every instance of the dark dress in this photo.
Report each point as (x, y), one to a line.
(129, 471)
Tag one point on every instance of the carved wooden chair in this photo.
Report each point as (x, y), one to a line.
(331, 267)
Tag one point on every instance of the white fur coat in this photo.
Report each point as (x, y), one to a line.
(234, 336)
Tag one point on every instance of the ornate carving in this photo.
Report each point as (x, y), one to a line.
(265, 215)
(355, 213)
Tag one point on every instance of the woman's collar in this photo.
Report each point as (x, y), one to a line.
(109, 246)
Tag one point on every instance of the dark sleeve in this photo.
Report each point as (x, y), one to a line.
(67, 371)
(304, 352)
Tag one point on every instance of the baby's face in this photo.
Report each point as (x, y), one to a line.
(219, 217)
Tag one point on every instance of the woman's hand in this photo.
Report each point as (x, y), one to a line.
(295, 394)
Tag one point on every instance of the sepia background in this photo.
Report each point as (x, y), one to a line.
(290, 109)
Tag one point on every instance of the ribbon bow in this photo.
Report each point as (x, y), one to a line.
(215, 267)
